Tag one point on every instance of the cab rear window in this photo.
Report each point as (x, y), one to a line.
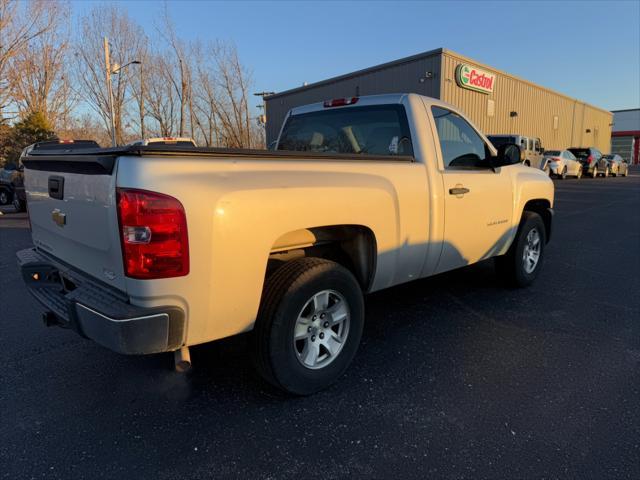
(373, 130)
(580, 152)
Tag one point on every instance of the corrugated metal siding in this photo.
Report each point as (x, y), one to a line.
(400, 78)
(536, 108)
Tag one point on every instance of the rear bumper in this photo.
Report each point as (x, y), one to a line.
(99, 312)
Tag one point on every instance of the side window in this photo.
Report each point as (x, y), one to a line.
(461, 145)
(530, 144)
(523, 144)
(537, 145)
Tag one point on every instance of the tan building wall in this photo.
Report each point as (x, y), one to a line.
(577, 124)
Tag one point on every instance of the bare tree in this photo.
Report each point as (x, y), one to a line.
(162, 102)
(20, 23)
(178, 71)
(37, 74)
(127, 40)
(233, 82)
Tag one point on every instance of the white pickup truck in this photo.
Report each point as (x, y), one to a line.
(157, 248)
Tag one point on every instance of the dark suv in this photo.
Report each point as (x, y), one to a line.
(593, 164)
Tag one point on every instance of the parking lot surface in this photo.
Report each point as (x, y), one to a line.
(457, 377)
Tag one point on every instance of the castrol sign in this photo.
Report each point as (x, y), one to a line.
(474, 78)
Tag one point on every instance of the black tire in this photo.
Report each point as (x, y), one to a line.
(563, 175)
(510, 266)
(285, 294)
(5, 196)
(19, 205)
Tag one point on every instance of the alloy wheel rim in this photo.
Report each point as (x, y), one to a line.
(531, 251)
(321, 329)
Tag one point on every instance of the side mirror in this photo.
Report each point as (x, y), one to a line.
(508, 154)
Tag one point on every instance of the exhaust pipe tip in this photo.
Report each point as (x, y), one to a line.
(182, 359)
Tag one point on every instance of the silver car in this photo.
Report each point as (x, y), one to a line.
(561, 164)
(617, 165)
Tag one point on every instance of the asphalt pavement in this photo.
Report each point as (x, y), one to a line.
(457, 378)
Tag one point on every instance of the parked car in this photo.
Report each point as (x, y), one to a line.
(11, 186)
(592, 162)
(357, 197)
(562, 163)
(617, 165)
(530, 148)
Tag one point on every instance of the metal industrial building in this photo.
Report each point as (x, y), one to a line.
(625, 137)
(497, 102)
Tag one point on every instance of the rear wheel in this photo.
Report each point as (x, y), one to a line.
(19, 205)
(309, 325)
(594, 174)
(579, 174)
(563, 175)
(520, 266)
(5, 197)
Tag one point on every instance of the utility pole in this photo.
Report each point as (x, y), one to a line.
(107, 63)
(262, 119)
(142, 129)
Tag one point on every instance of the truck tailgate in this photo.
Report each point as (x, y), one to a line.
(72, 207)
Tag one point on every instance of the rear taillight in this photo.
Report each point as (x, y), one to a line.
(590, 159)
(153, 233)
(340, 102)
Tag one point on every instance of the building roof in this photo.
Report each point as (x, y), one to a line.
(381, 66)
(412, 58)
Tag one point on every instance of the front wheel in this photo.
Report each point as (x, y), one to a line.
(309, 325)
(594, 174)
(520, 266)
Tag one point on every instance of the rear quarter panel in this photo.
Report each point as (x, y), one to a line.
(236, 209)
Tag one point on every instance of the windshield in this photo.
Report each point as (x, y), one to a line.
(499, 141)
(552, 153)
(374, 130)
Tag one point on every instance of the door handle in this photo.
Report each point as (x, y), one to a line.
(458, 191)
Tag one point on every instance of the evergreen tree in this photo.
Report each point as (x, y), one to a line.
(31, 129)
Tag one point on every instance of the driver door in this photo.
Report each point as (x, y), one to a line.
(478, 201)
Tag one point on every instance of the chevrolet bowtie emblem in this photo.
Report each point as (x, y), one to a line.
(59, 218)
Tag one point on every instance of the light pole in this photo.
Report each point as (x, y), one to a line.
(112, 69)
(263, 117)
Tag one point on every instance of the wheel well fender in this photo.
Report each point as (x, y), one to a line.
(542, 207)
(352, 246)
